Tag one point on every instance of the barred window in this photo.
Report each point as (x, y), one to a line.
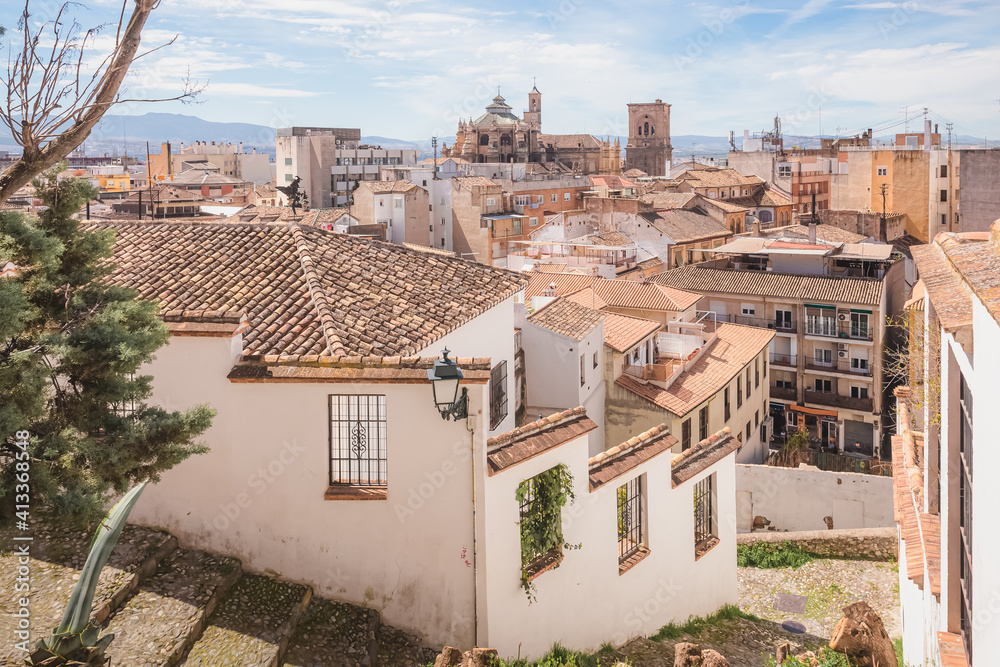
(358, 453)
(705, 536)
(498, 394)
(128, 406)
(631, 540)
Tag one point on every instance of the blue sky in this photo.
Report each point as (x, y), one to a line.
(410, 68)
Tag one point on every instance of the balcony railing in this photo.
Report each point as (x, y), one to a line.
(785, 393)
(783, 360)
(838, 401)
(839, 366)
(833, 462)
(827, 326)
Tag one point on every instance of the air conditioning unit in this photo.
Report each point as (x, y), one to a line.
(842, 354)
(842, 317)
(842, 347)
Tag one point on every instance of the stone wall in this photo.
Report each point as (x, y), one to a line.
(868, 543)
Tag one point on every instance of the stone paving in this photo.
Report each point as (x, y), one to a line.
(158, 624)
(829, 584)
(57, 556)
(252, 626)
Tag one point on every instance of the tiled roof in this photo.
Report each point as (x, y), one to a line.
(968, 261)
(202, 177)
(565, 283)
(631, 294)
(904, 244)
(375, 369)
(621, 332)
(685, 225)
(867, 291)
(725, 205)
(567, 318)
(386, 187)
(734, 346)
(611, 181)
(164, 194)
(635, 173)
(587, 297)
(283, 215)
(668, 200)
(712, 178)
(471, 181)
(824, 232)
(569, 140)
(528, 441)
(441, 252)
(551, 267)
(951, 646)
(611, 239)
(307, 291)
(706, 453)
(615, 462)
(950, 295)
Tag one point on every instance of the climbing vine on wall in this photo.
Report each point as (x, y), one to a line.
(541, 500)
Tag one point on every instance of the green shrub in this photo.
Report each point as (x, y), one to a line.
(827, 658)
(694, 625)
(771, 555)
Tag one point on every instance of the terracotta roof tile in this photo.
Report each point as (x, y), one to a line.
(706, 453)
(959, 265)
(952, 649)
(722, 359)
(528, 441)
(866, 291)
(567, 318)
(615, 462)
(685, 225)
(621, 332)
(306, 291)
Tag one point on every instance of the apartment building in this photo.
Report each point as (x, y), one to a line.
(825, 358)
(485, 223)
(225, 158)
(401, 208)
(948, 579)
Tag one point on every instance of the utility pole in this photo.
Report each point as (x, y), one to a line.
(881, 228)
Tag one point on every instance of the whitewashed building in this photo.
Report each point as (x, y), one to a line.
(331, 465)
(949, 548)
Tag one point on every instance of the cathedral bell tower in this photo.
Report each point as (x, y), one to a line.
(533, 115)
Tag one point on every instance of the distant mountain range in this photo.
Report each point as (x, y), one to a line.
(115, 134)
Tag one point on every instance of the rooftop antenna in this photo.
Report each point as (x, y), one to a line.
(906, 120)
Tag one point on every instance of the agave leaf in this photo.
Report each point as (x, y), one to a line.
(76, 618)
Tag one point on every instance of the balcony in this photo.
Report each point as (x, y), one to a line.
(787, 360)
(839, 366)
(838, 401)
(831, 328)
(785, 393)
(658, 373)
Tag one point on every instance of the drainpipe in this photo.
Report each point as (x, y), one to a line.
(475, 527)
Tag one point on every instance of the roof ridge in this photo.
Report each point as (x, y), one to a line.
(335, 347)
(536, 426)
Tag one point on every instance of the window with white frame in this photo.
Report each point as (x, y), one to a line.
(859, 392)
(554, 198)
(883, 171)
(565, 196)
(490, 201)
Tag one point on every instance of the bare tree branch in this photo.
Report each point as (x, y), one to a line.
(52, 104)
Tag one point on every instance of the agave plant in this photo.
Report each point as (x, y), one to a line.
(76, 640)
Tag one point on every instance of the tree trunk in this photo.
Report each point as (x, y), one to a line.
(35, 160)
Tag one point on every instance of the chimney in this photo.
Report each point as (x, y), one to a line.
(241, 147)
(552, 290)
(927, 134)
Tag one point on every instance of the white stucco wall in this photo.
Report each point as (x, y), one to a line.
(794, 499)
(585, 602)
(259, 493)
(488, 335)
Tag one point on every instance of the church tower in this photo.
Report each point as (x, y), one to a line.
(533, 115)
(649, 146)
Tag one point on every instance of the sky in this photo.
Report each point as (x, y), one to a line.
(409, 69)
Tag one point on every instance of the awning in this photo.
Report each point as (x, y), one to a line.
(813, 411)
(819, 305)
(861, 310)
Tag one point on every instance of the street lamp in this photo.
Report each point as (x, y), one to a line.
(444, 377)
